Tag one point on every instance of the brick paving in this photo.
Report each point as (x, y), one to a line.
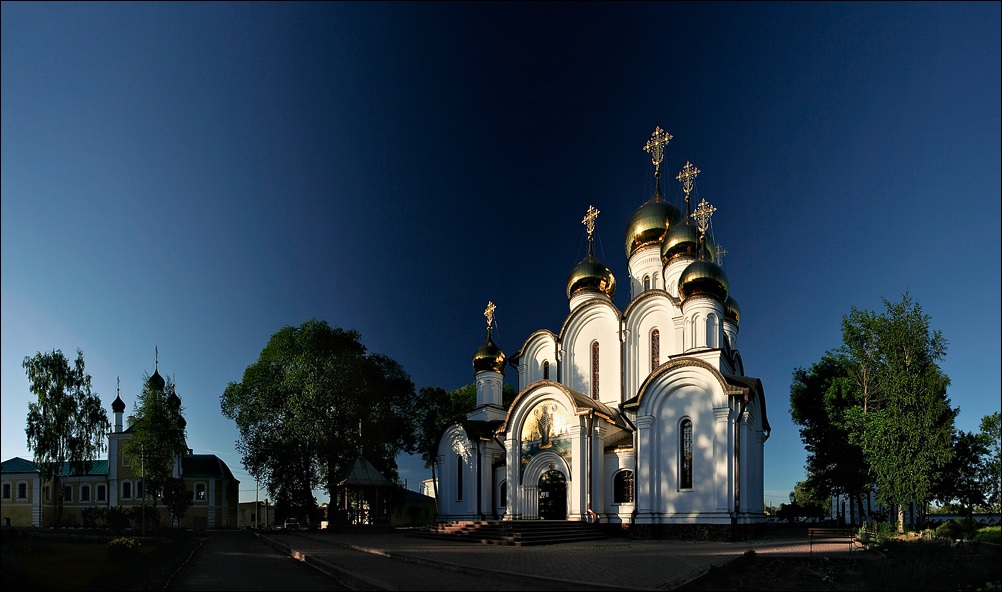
(394, 561)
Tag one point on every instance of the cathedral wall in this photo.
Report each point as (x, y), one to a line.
(457, 470)
(540, 348)
(590, 325)
(650, 314)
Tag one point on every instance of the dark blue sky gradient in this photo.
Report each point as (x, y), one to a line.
(197, 176)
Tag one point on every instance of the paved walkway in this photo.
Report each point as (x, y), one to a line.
(395, 561)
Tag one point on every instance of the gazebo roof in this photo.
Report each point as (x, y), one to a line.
(363, 473)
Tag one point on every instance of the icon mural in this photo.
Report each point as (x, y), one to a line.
(546, 428)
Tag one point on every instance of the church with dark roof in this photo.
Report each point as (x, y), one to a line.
(641, 418)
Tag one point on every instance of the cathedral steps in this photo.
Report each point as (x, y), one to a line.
(517, 533)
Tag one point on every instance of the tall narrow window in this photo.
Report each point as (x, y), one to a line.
(200, 491)
(594, 370)
(685, 446)
(504, 494)
(126, 490)
(85, 493)
(622, 488)
(647, 282)
(68, 493)
(546, 370)
(459, 477)
(22, 491)
(655, 349)
(102, 493)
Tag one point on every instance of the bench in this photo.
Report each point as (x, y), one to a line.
(870, 538)
(840, 535)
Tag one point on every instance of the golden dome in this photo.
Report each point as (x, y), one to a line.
(488, 357)
(648, 224)
(703, 278)
(682, 241)
(732, 311)
(590, 274)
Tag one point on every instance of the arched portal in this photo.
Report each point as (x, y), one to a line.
(552, 496)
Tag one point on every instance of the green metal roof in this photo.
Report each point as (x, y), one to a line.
(20, 465)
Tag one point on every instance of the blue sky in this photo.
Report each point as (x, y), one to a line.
(194, 177)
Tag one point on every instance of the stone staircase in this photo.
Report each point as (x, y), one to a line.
(516, 533)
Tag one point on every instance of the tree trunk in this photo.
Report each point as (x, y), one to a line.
(901, 519)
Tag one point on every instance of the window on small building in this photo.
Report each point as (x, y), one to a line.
(102, 493)
(48, 493)
(622, 488)
(85, 493)
(546, 370)
(68, 493)
(685, 447)
(6, 490)
(139, 489)
(127, 490)
(655, 349)
(594, 370)
(200, 491)
(22, 490)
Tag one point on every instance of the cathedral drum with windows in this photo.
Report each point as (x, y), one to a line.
(641, 418)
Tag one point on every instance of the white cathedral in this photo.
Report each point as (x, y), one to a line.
(641, 417)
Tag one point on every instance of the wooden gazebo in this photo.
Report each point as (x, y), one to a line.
(363, 496)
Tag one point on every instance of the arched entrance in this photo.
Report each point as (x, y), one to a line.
(552, 496)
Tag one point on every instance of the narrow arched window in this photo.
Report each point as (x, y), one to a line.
(711, 331)
(594, 370)
(503, 494)
(655, 349)
(647, 282)
(459, 477)
(622, 488)
(685, 448)
(546, 370)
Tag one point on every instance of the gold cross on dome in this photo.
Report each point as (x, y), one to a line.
(656, 147)
(702, 215)
(489, 313)
(687, 176)
(589, 220)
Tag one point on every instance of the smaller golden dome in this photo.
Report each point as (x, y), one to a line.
(488, 357)
(703, 278)
(732, 311)
(682, 242)
(648, 224)
(591, 274)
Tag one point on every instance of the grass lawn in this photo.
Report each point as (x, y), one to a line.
(51, 561)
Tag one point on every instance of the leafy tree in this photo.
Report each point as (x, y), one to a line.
(990, 438)
(157, 437)
(961, 479)
(177, 498)
(823, 401)
(66, 427)
(313, 401)
(908, 432)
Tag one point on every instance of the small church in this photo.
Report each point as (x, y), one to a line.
(641, 419)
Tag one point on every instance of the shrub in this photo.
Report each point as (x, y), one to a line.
(117, 519)
(91, 516)
(123, 548)
(989, 534)
(952, 529)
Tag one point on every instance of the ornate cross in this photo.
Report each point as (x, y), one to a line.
(656, 147)
(687, 176)
(702, 215)
(589, 220)
(489, 313)
(720, 255)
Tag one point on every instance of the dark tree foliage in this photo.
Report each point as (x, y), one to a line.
(157, 437)
(66, 426)
(178, 499)
(960, 479)
(991, 438)
(311, 403)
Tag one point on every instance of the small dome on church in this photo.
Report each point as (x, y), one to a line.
(703, 278)
(648, 224)
(591, 274)
(118, 405)
(156, 381)
(488, 357)
(682, 242)
(174, 401)
(732, 311)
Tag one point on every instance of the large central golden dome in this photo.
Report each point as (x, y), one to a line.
(648, 224)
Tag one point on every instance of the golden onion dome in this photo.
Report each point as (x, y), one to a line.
(732, 311)
(682, 242)
(591, 274)
(703, 278)
(488, 357)
(648, 224)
